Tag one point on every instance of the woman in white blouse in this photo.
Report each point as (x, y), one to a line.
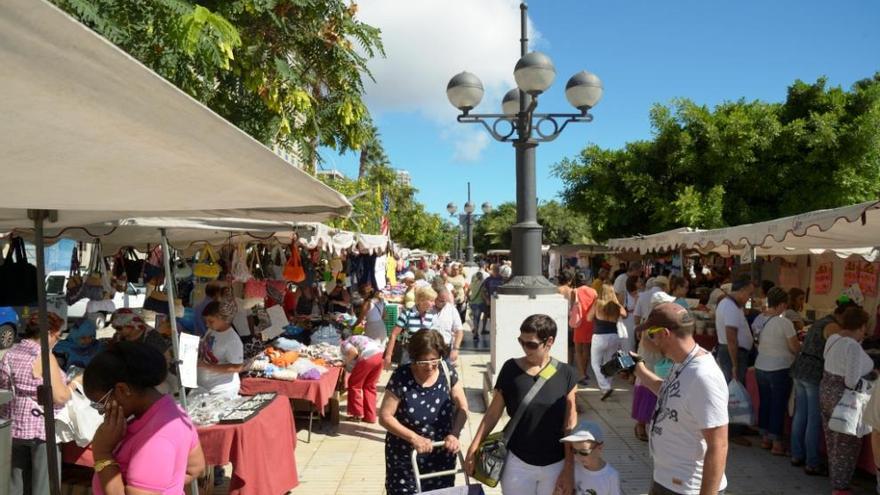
(845, 364)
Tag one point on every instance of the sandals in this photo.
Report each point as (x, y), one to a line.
(641, 434)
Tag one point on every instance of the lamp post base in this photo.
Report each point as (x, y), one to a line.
(528, 285)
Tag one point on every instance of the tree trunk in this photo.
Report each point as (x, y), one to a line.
(362, 169)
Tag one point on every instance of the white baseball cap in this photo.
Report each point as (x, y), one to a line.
(585, 431)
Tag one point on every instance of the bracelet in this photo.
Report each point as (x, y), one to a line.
(104, 464)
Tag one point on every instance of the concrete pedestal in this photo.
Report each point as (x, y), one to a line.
(508, 313)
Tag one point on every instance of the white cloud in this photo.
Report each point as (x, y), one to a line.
(469, 145)
(429, 41)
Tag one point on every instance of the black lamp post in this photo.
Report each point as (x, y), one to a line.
(521, 126)
(468, 223)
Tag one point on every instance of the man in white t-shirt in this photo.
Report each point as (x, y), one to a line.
(735, 340)
(688, 432)
(643, 306)
(635, 268)
(221, 355)
(448, 322)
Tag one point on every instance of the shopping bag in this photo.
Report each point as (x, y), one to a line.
(622, 332)
(739, 406)
(848, 415)
(574, 312)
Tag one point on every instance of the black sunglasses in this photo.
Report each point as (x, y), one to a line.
(532, 346)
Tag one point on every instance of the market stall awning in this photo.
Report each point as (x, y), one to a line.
(848, 227)
(661, 241)
(92, 133)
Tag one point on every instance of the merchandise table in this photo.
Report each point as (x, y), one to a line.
(866, 456)
(261, 451)
(317, 393)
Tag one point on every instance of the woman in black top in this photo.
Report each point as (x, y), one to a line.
(537, 463)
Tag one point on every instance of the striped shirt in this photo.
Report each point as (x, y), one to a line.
(411, 321)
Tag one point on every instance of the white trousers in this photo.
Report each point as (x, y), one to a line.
(520, 478)
(602, 350)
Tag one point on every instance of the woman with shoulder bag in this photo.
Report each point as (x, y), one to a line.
(845, 364)
(424, 403)
(536, 463)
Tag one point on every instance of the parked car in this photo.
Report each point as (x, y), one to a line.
(56, 286)
(9, 323)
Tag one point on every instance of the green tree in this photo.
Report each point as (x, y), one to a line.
(561, 226)
(287, 72)
(740, 162)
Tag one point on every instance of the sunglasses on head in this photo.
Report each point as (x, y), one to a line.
(532, 346)
(428, 363)
(651, 332)
(101, 405)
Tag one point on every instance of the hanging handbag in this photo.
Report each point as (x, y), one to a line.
(207, 266)
(492, 453)
(279, 261)
(182, 270)
(293, 270)
(73, 289)
(98, 285)
(154, 268)
(255, 287)
(18, 278)
(239, 268)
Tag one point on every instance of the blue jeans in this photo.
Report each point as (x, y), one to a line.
(774, 388)
(478, 311)
(742, 364)
(806, 428)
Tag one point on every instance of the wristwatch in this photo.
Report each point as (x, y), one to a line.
(104, 464)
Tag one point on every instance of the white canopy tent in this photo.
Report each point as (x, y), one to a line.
(90, 135)
(90, 132)
(661, 241)
(845, 231)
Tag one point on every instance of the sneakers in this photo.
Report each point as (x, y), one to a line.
(607, 394)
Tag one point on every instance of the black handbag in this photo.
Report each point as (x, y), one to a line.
(18, 278)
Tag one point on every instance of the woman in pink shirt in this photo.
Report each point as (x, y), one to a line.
(158, 451)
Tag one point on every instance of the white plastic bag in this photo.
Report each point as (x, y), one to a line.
(848, 415)
(622, 332)
(739, 405)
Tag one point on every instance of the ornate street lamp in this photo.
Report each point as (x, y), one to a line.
(468, 223)
(525, 129)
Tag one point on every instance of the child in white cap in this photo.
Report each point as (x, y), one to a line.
(592, 475)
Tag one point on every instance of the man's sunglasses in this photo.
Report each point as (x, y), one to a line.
(532, 346)
(651, 332)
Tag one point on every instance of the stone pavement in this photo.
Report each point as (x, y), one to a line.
(350, 459)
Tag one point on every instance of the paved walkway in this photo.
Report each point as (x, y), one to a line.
(350, 459)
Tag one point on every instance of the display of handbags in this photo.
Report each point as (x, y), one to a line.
(18, 278)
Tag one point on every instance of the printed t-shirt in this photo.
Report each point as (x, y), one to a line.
(773, 351)
(536, 438)
(605, 481)
(155, 448)
(220, 348)
(728, 314)
(692, 398)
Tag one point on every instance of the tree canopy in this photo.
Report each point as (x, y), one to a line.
(738, 163)
(288, 72)
(561, 226)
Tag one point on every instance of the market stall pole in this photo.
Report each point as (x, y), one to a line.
(45, 391)
(172, 319)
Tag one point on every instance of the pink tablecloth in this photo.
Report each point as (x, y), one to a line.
(866, 457)
(260, 451)
(318, 392)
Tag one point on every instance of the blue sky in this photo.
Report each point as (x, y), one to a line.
(644, 52)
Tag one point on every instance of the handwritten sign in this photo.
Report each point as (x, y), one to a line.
(851, 272)
(823, 278)
(868, 279)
